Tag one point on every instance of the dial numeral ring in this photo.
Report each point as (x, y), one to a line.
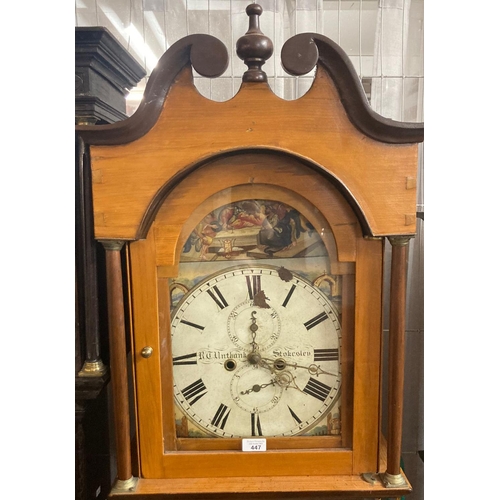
(225, 391)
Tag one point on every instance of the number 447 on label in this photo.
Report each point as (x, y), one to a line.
(253, 445)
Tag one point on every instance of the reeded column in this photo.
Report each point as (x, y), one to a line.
(118, 362)
(397, 323)
(93, 365)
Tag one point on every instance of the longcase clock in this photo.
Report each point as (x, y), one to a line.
(251, 234)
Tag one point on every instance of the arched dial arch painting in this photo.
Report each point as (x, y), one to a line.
(256, 326)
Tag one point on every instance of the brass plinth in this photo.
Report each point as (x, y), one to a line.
(394, 480)
(93, 369)
(125, 486)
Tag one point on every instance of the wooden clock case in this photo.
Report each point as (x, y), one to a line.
(154, 176)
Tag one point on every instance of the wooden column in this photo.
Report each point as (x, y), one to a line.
(118, 362)
(397, 324)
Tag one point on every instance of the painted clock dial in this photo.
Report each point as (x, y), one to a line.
(256, 352)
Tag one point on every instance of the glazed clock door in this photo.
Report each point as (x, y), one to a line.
(244, 310)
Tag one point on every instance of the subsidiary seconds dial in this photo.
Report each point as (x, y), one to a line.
(255, 352)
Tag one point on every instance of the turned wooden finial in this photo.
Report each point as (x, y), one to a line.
(254, 48)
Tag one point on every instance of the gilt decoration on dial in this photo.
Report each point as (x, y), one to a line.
(256, 327)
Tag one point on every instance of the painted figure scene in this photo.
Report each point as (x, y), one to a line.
(266, 231)
(252, 229)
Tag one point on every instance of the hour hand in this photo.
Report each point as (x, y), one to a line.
(257, 387)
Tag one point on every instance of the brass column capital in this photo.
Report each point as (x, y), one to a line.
(112, 245)
(399, 241)
(85, 120)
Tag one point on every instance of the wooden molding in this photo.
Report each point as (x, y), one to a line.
(192, 131)
(205, 53)
(299, 56)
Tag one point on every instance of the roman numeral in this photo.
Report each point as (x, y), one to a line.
(285, 302)
(194, 391)
(317, 389)
(256, 428)
(219, 300)
(220, 417)
(297, 419)
(316, 320)
(326, 354)
(253, 285)
(185, 360)
(194, 325)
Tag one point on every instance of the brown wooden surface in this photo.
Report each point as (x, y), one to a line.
(266, 488)
(367, 355)
(118, 363)
(263, 488)
(297, 443)
(135, 443)
(347, 357)
(397, 325)
(167, 392)
(323, 487)
(215, 464)
(191, 129)
(148, 379)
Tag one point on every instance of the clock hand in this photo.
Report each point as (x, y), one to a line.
(257, 387)
(256, 359)
(280, 364)
(316, 370)
(284, 379)
(287, 380)
(253, 328)
(254, 356)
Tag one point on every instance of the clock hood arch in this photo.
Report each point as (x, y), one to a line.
(209, 57)
(263, 175)
(255, 156)
(372, 158)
